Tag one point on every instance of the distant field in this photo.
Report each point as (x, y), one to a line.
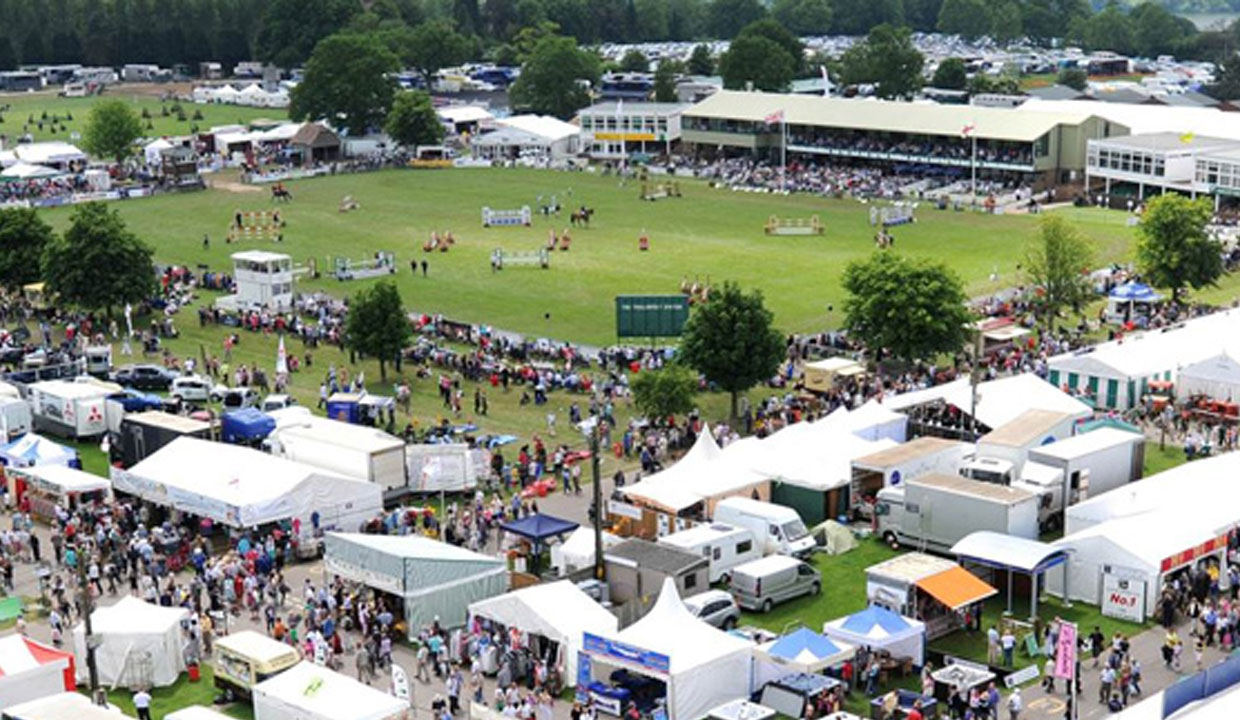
(1029, 82)
(24, 111)
(707, 234)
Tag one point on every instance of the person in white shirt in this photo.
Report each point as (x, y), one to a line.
(142, 703)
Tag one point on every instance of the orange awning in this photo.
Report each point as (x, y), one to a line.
(956, 588)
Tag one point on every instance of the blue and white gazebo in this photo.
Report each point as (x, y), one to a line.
(876, 627)
(1127, 301)
(801, 651)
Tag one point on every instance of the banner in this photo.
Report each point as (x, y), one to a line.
(400, 682)
(615, 650)
(1065, 651)
(1123, 598)
(281, 359)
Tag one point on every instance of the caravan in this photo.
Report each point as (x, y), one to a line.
(777, 529)
(724, 546)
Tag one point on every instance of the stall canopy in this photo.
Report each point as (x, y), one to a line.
(63, 480)
(196, 712)
(434, 578)
(153, 149)
(33, 450)
(309, 692)
(801, 651)
(558, 611)
(702, 666)
(577, 551)
(61, 706)
(28, 171)
(137, 642)
(1134, 292)
(30, 670)
(666, 490)
(881, 629)
(538, 529)
(1008, 552)
(1217, 378)
(956, 588)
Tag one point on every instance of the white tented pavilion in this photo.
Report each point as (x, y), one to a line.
(999, 401)
(878, 628)
(137, 643)
(701, 666)
(558, 611)
(577, 550)
(1217, 378)
(309, 692)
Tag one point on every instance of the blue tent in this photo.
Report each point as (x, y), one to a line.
(538, 528)
(31, 449)
(877, 627)
(1135, 292)
(246, 425)
(803, 650)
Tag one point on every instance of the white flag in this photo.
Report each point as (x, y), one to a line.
(129, 319)
(400, 682)
(281, 359)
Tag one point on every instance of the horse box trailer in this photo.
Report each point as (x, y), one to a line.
(1095, 462)
(141, 434)
(15, 417)
(939, 510)
(69, 409)
(355, 451)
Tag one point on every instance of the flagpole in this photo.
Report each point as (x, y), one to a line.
(973, 169)
(783, 153)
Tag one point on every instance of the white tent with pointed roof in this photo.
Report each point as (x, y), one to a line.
(705, 666)
(669, 490)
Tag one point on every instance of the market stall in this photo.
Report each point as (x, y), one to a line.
(549, 619)
(137, 644)
(669, 658)
(1132, 302)
(537, 530)
(45, 487)
(31, 670)
(427, 578)
(577, 550)
(1007, 555)
(801, 651)
(1216, 378)
(878, 628)
(936, 591)
(32, 449)
(309, 692)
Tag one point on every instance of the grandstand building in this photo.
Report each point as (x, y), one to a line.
(1136, 166)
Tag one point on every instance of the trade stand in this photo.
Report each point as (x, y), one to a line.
(31, 670)
(44, 487)
(878, 628)
(668, 659)
(801, 651)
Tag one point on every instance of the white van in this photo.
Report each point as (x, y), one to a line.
(762, 584)
(725, 546)
(777, 529)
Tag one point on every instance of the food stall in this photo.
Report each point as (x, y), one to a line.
(934, 590)
(45, 487)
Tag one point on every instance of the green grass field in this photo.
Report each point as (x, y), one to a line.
(26, 109)
(709, 233)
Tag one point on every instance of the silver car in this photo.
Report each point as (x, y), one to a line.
(716, 607)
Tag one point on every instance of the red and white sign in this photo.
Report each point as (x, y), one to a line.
(30, 670)
(1123, 598)
(1208, 547)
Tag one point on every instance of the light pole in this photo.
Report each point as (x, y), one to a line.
(87, 609)
(590, 428)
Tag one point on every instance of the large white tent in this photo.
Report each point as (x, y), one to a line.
(871, 421)
(137, 642)
(702, 666)
(800, 651)
(558, 611)
(1218, 378)
(309, 692)
(577, 550)
(151, 151)
(999, 401)
(49, 153)
(435, 579)
(30, 670)
(62, 706)
(877, 627)
(28, 171)
(243, 488)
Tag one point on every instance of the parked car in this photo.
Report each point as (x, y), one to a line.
(715, 607)
(145, 377)
(134, 401)
(192, 388)
(763, 584)
(234, 398)
(277, 402)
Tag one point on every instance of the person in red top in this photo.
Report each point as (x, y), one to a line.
(914, 712)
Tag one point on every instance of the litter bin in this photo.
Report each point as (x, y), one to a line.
(194, 673)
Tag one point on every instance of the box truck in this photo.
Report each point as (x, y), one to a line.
(894, 466)
(1095, 462)
(355, 451)
(776, 529)
(1013, 441)
(936, 510)
(15, 417)
(1042, 480)
(141, 434)
(68, 409)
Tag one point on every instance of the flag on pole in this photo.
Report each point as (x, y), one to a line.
(967, 130)
(281, 359)
(129, 319)
(400, 682)
(774, 118)
(826, 81)
(1065, 651)
(1187, 137)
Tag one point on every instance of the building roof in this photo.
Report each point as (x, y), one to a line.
(544, 126)
(1089, 442)
(1026, 428)
(910, 567)
(1057, 92)
(884, 116)
(1122, 95)
(1139, 119)
(414, 547)
(179, 423)
(910, 450)
(1153, 352)
(1170, 141)
(1007, 551)
(975, 488)
(635, 108)
(45, 153)
(660, 558)
(456, 114)
(259, 256)
(316, 137)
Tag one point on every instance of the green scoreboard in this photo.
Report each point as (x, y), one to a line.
(651, 316)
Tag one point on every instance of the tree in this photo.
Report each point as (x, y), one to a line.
(1173, 249)
(727, 17)
(803, 17)
(732, 341)
(701, 62)
(1057, 264)
(1005, 21)
(778, 34)
(758, 60)
(549, 81)
(665, 80)
(412, 120)
(914, 309)
(98, 264)
(23, 237)
(967, 18)
(1109, 29)
(289, 30)
(634, 61)
(347, 83)
(659, 394)
(951, 74)
(1158, 31)
(376, 325)
(111, 129)
(886, 58)
(1004, 84)
(1073, 77)
(434, 45)
(858, 17)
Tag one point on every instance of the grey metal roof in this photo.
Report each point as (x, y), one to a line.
(1165, 141)
(653, 556)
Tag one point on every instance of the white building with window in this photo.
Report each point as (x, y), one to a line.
(262, 279)
(1154, 163)
(1218, 171)
(612, 130)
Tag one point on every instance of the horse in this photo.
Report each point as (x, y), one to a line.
(279, 192)
(581, 216)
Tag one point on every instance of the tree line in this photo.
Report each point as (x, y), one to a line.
(285, 32)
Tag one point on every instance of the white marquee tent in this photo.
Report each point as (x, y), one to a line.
(706, 666)
(998, 401)
(153, 149)
(309, 692)
(577, 550)
(128, 633)
(21, 170)
(1218, 378)
(879, 628)
(558, 611)
(30, 670)
(53, 152)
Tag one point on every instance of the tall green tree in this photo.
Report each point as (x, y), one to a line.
(665, 80)
(1057, 264)
(634, 61)
(803, 17)
(1173, 249)
(412, 120)
(1109, 29)
(951, 74)
(376, 325)
(727, 17)
(914, 309)
(967, 18)
(111, 129)
(858, 17)
(758, 60)
(23, 237)
(435, 45)
(701, 62)
(732, 341)
(660, 394)
(1073, 77)
(98, 263)
(773, 31)
(888, 59)
(347, 82)
(289, 30)
(1158, 31)
(551, 80)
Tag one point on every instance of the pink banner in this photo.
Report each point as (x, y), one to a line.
(1065, 651)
